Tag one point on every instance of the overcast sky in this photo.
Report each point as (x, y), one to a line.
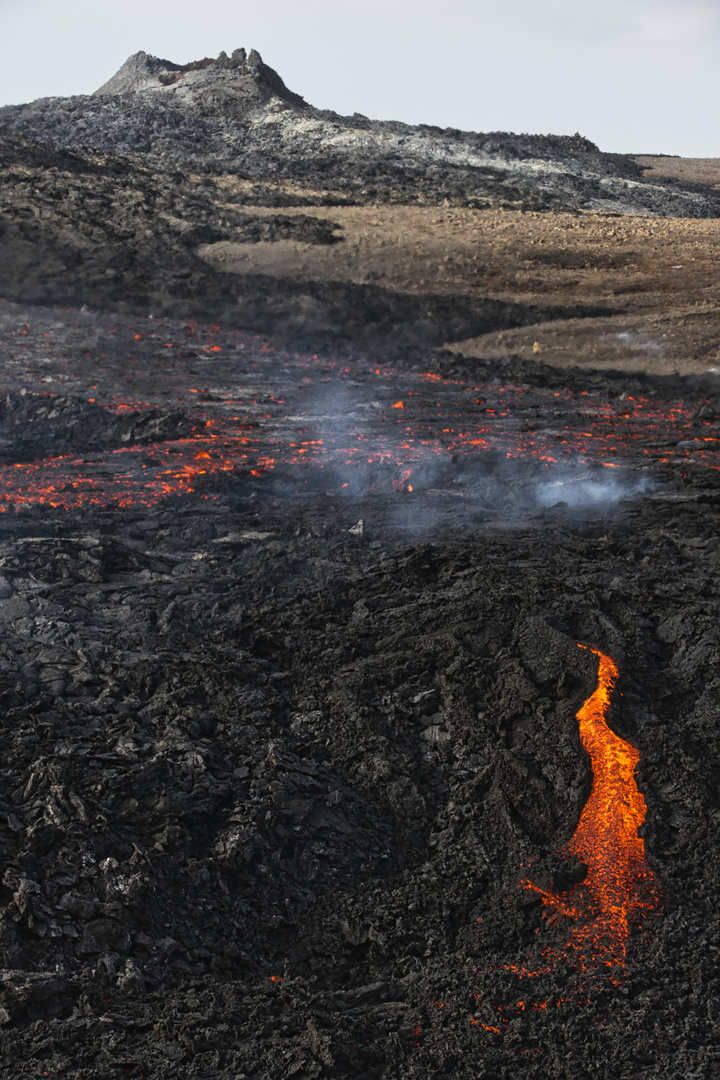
(638, 76)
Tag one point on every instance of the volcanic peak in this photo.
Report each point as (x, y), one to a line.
(142, 72)
(235, 115)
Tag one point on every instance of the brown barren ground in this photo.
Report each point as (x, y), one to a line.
(694, 170)
(659, 274)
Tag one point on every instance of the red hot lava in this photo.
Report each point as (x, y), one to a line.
(619, 887)
(260, 412)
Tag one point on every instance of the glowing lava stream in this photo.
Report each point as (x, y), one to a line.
(619, 886)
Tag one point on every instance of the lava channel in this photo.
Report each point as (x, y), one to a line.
(619, 887)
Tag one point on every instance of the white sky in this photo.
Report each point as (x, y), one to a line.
(638, 76)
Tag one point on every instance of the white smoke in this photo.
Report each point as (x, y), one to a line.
(584, 490)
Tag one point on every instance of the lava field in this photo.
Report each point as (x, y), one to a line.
(304, 772)
(359, 588)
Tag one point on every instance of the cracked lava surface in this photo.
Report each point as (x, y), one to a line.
(359, 737)
(309, 423)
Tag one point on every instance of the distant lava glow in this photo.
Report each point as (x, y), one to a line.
(263, 414)
(619, 887)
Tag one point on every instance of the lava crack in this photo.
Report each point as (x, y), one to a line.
(619, 887)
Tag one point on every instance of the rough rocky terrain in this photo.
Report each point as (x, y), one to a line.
(122, 236)
(235, 114)
(289, 668)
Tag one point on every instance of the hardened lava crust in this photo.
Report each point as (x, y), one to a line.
(291, 698)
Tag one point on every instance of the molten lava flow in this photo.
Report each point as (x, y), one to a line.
(619, 886)
(386, 430)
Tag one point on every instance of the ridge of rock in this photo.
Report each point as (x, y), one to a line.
(234, 114)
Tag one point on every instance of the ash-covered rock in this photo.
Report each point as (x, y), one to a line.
(234, 114)
(243, 79)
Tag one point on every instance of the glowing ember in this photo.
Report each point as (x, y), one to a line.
(261, 412)
(619, 887)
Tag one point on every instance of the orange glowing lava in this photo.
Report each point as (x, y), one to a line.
(619, 887)
(448, 432)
